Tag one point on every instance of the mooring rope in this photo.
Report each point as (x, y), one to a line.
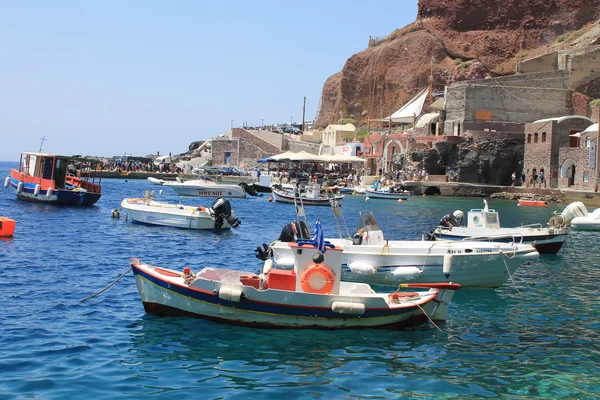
(118, 279)
(507, 271)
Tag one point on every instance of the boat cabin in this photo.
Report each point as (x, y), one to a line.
(483, 218)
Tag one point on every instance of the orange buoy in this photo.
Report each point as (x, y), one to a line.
(317, 279)
(424, 195)
(7, 227)
(399, 200)
(270, 198)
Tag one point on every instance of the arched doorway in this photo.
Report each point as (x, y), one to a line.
(567, 170)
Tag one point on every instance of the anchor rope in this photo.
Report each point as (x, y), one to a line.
(106, 288)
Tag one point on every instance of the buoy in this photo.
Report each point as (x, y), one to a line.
(49, 193)
(447, 267)
(160, 192)
(36, 191)
(230, 294)
(7, 182)
(7, 227)
(424, 195)
(367, 198)
(399, 200)
(115, 213)
(270, 198)
(267, 266)
(406, 273)
(20, 188)
(362, 268)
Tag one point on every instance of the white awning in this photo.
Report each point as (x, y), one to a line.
(578, 134)
(592, 128)
(409, 111)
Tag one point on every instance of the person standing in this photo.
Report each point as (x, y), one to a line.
(542, 179)
(513, 177)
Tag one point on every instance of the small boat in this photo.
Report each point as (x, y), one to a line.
(149, 211)
(484, 224)
(310, 195)
(48, 178)
(369, 257)
(7, 227)
(577, 217)
(206, 187)
(156, 181)
(387, 193)
(532, 203)
(310, 295)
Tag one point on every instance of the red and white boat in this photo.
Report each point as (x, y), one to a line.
(311, 295)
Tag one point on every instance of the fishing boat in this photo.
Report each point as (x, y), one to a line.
(532, 203)
(484, 224)
(206, 187)
(387, 193)
(371, 258)
(146, 210)
(310, 295)
(7, 227)
(309, 195)
(48, 178)
(576, 216)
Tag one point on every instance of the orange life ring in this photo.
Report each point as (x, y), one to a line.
(315, 270)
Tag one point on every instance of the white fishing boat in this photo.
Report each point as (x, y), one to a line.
(149, 211)
(369, 257)
(205, 187)
(309, 295)
(577, 217)
(484, 224)
(387, 193)
(309, 195)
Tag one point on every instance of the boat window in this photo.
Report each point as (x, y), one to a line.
(46, 168)
(491, 218)
(60, 173)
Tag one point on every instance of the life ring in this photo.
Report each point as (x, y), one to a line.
(322, 274)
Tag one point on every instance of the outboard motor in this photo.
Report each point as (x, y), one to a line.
(223, 212)
(294, 231)
(248, 188)
(449, 221)
(573, 210)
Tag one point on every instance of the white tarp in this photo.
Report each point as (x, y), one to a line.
(409, 111)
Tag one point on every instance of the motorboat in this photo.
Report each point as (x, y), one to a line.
(146, 210)
(309, 195)
(7, 227)
(309, 295)
(156, 181)
(387, 193)
(484, 224)
(54, 179)
(370, 258)
(532, 203)
(577, 217)
(206, 187)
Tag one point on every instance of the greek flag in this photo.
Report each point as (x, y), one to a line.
(318, 237)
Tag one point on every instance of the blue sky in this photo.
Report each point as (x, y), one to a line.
(112, 77)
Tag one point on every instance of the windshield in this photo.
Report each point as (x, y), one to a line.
(368, 221)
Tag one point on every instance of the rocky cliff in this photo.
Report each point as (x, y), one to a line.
(457, 40)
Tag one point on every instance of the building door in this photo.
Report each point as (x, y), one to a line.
(227, 157)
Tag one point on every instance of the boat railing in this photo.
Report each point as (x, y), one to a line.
(538, 225)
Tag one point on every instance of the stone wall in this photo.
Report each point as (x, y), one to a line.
(546, 62)
(548, 79)
(220, 146)
(595, 114)
(580, 155)
(276, 139)
(585, 67)
(267, 147)
(505, 103)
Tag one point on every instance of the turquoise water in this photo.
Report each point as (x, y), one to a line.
(538, 339)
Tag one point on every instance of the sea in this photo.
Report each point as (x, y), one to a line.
(537, 336)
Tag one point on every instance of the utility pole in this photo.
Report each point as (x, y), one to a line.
(303, 113)
(43, 138)
(431, 83)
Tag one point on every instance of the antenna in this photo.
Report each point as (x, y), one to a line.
(43, 138)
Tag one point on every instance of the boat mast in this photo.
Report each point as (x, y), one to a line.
(43, 138)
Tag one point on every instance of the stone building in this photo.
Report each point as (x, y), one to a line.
(241, 147)
(579, 161)
(338, 134)
(552, 147)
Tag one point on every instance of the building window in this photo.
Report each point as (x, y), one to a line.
(535, 137)
(586, 176)
(529, 138)
(543, 136)
(588, 142)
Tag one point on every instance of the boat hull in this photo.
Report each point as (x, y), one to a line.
(73, 197)
(169, 295)
(199, 190)
(164, 214)
(544, 241)
(532, 203)
(474, 264)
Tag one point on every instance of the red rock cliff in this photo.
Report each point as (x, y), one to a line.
(458, 40)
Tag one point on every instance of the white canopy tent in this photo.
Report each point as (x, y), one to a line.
(304, 156)
(408, 112)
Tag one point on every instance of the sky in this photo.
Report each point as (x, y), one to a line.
(139, 77)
